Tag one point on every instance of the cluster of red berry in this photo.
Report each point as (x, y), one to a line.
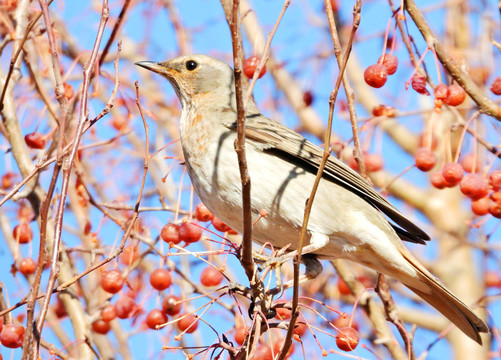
(377, 74)
(484, 191)
(112, 281)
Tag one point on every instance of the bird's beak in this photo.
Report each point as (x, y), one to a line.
(152, 66)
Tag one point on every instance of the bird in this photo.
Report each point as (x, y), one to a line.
(349, 218)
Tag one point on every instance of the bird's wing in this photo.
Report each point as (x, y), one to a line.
(293, 147)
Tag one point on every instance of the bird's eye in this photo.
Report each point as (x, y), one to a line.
(191, 65)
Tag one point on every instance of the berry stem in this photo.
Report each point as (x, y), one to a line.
(394, 38)
(178, 203)
(461, 139)
(448, 146)
(437, 63)
(385, 42)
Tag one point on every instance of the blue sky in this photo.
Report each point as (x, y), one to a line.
(299, 38)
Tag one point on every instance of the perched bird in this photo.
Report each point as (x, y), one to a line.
(347, 219)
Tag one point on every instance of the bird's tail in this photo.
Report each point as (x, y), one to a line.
(438, 296)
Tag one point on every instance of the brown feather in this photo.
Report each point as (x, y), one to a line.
(445, 302)
(280, 137)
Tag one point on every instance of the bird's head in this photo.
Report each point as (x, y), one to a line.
(197, 78)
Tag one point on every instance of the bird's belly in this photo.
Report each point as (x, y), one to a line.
(278, 188)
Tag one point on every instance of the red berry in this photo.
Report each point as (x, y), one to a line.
(27, 266)
(437, 180)
(496, 86)
(378, 110)
(390, 62)
(119, 122)
(441, 91)
(129, 255)
(101, 327)
(211, 276)
(389, 41)
(12, 336)
(492, 279)
(307, 98)
(480, 207)
(495, 204)
(283, 313)
(496, 197)
(418, 83)
(347, 339)
(8, 5)
(108, 313)
(453, 173)
(68, 90)
(240, 334)
(495, 180)
(190, 232)
(22, 233)
(124, 307)
(474, 186)
(425, 159)
(202, 213)
(170, 233)
(7, 180)
(219, 225)
(249, 66)
(112, 281)
(156, 317)
(495, 209)
(160, 279)
(171, 305)
(87, 228)
(456, 95)
(343, 287)
(1, 324)
(188, 323)
(35, 140)
(373, 162)
(383, 110)
(343, 321)
(59, 309)
(470, 164)
(376, 75)
(300, 328)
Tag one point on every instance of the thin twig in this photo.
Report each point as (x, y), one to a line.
(114, 32)
(28, 349)
(16, 55)
(69, 164)
(59, 88)
(246, 257)
(391, 314)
